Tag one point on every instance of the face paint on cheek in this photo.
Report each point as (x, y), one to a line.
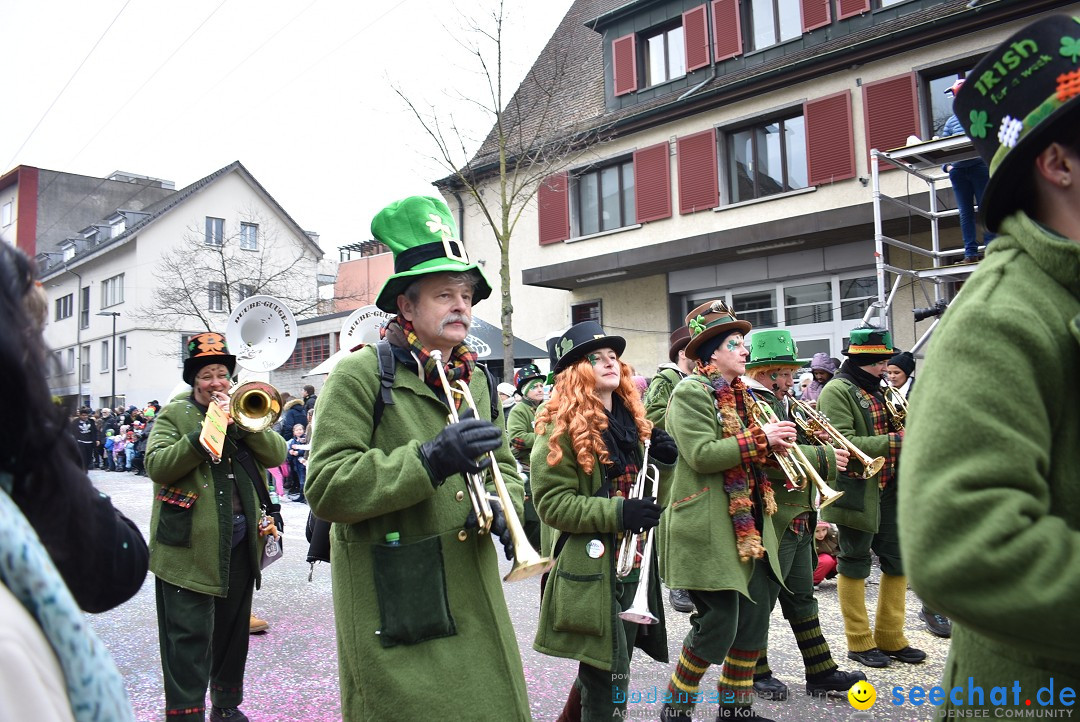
(733, 344)
(593, 359)
(773, 376)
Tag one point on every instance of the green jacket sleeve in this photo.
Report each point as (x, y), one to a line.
(692, 423)
(349, 480)
(519, 432)
(172, 453)
(563, 495)
(835, 402)
(656, 399)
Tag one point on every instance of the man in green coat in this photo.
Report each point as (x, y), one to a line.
(989, 499)
(715, 538)
(529, 383)
(866, 515)
(206, 539)
(422, 624)
(769, 378)
(656, 402)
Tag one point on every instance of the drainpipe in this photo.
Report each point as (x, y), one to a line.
(712, 71)
(78, 333)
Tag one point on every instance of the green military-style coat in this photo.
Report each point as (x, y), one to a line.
(860, 507)
(989, 494)
(190, 545)
(656, 402)
(578, 614)
(697, 537)
(411, 617)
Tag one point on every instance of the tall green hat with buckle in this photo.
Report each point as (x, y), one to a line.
(421, 233)
(1015, 100)
(868, 345)
(774, 347)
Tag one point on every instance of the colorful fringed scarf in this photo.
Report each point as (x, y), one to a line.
(459, 366)
(739, 480)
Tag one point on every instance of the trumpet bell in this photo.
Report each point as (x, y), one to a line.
(255, 406)
(526, 568)
(638, 615)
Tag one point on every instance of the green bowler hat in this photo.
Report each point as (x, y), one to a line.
(774, 347)
(868, 344)
(421, 233)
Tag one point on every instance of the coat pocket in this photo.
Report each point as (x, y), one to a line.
(174, 521)
(854, 489)
(410, 584)
(580, 597)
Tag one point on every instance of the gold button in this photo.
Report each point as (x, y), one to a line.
(462, 535)
(460, 495)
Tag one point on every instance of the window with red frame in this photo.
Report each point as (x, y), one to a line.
(309, 352)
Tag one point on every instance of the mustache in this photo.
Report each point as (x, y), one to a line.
(455, 318)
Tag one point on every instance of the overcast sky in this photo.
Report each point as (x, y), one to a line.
(299, 91)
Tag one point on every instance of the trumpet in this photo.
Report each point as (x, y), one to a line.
(811, 421)
(254, 406)
(638, 611)
(896, 405)
(527, 562)
(794, 459)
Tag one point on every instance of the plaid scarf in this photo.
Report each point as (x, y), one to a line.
(879, 425)
(739, 481)
(458, 366)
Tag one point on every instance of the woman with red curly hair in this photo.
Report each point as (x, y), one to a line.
(589, 447)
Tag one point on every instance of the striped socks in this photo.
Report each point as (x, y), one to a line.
(817, 658)
(686, 679)
(737, 677)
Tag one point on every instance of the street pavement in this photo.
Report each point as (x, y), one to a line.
(292, 669)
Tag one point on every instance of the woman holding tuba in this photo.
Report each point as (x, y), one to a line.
(769, 381)
(586, 459)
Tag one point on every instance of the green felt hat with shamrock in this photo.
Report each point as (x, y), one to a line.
(1015, 100)
(774, 347)
(421, 233)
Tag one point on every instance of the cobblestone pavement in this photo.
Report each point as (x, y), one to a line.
(292, 669)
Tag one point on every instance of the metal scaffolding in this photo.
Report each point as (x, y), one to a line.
(923, 162)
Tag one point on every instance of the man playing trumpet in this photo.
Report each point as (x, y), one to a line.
(866, 515)
(769, 378)
(418, 601)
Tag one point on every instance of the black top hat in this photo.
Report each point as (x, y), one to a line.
(204, 349)
(1016, 98)
(527, 373)
(579, 340)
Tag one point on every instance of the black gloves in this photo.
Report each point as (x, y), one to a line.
(639, 515)
(663, 447)
(499, 528)
(460, 448)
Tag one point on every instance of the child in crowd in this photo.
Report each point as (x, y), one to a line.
(129, 449)
(297, 458)
(110, 441)
(119, 458)
(827, 549)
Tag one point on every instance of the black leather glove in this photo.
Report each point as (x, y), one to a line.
(639, 515)
(460, 448)
(663, 447)
(499, 529)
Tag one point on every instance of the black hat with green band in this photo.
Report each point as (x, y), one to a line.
(580, 340)
(421, 233)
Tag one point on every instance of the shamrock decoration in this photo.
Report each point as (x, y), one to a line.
(564, 346)
(436, 225)
(979, 124)
(696, 325)
(1009, 132)
(1070, 48)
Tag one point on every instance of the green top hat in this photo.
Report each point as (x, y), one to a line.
(422, 235)
(709, 320)
(1014, 101)
(204, 349)
(774, 347)
(867, 345)
(581, 339)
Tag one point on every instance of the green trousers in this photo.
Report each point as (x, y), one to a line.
(604, 692)
(855, 544)
(796, 558)
(204, 642)
(728, 619)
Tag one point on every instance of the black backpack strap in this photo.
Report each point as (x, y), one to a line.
(244, 457)
(387, 369)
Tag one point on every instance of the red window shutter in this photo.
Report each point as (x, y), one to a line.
(892, 112)
(727, 30)
(830, 141)
(553, 200)
(696, 38)
(698, 189)
(815, 14)
(624, 64)
(851, 8)
(652, 183)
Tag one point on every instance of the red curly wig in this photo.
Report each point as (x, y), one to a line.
(575, 408)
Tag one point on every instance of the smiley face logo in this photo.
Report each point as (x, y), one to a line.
(862, 695)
